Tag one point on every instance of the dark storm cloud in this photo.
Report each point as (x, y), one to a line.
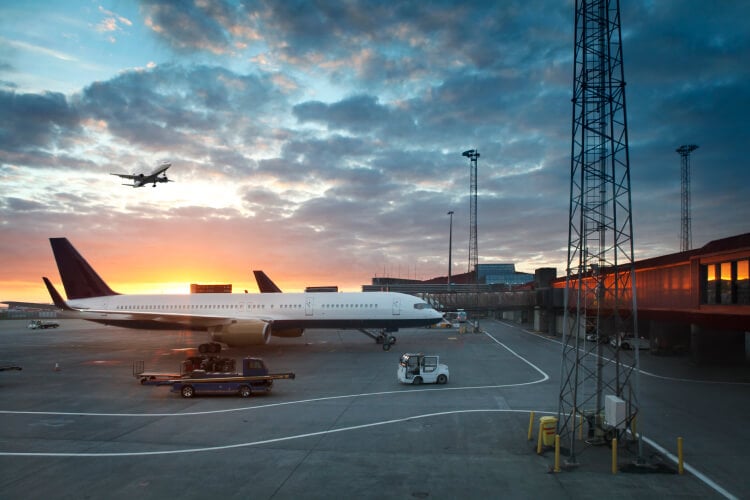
(20, 205)
(150, 107)
(361, 113)
(192, 25)
(31, 121)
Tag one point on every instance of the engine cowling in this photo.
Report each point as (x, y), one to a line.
(242, 333)
(288, 332)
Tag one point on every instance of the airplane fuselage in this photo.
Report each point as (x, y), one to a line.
(283, 311)
(233, 319)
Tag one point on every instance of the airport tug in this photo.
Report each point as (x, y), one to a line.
(420, 369)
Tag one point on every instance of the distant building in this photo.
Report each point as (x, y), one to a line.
(491, 277)
(197, 288)
(502, 274)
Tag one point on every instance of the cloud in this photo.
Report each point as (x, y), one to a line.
(190, 26)
(34, 121)
(320, 139)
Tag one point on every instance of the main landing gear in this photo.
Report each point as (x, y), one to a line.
(383, 337)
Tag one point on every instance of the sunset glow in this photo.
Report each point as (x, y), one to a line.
(325, 148)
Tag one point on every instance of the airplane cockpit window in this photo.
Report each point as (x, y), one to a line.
(422, 305)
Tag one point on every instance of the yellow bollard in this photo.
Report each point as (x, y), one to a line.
(557, 452)
(539, 442)
(680, 465)
(614, 456)
(531, 425)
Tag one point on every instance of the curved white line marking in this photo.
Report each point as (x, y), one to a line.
(702, 477)
(544, 378)
(708, 481)
(649, 374)
(262, 442)
(544, 375)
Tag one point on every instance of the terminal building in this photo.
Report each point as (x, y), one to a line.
(487, 278)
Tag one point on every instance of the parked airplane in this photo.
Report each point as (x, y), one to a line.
(233, 319)
(141, 179)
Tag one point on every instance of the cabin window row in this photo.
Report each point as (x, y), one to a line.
(183, 307)
(186, 307)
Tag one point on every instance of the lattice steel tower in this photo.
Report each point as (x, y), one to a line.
(686, 236)
(473, 154)
(600, 283)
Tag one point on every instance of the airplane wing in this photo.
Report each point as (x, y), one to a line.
(161, 168)
(125, 176)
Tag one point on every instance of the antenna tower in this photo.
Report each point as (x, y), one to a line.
(686, 236)
(600, 283)
(473, 154)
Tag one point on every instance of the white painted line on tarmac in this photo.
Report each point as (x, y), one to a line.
(643, 372)
(423, 389)
(544, 375)
(705, 479)
(271, 405)
(702, 477)
(262, 442)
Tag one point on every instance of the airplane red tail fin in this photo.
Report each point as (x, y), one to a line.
(265, 285)
(79, 278)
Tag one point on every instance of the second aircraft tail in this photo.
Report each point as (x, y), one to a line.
(78, 277)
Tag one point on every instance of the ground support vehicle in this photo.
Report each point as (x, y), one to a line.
(38, 324)
(418, 369)
(195, 380)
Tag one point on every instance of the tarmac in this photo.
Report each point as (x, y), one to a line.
(75, 423)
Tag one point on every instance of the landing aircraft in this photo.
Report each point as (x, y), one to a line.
(141, 179)
(233, 319)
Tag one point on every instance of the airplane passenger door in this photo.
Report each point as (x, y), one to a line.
(396, 307)
(308, 306)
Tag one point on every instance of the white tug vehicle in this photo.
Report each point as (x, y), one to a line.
(420, 369)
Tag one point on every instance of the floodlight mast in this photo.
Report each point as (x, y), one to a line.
(600, 298)
(686, 236)
(472, 155)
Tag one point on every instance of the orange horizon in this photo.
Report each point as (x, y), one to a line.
(36, 292)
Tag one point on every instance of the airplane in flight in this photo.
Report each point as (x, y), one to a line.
(233, 319)
(141, 179)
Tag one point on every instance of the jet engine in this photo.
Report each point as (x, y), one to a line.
(242, 332)
(288, 332)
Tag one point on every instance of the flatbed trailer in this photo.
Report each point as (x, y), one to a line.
(253, 379)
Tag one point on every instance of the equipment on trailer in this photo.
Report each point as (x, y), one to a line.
(418, 369)
(38, 324)
(214, 375)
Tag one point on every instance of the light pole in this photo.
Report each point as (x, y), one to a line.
(450, 249)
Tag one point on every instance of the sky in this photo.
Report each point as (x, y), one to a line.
(321, 141)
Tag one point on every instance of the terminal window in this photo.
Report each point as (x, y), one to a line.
(726, 283)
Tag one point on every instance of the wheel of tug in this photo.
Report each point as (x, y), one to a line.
(391, 339)
(442, 379)
(187, 391)
(386, 346)
(417, 381)
(245, 391)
